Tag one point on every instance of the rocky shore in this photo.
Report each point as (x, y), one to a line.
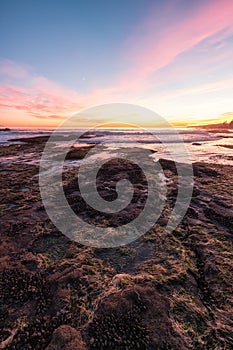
(163, 291)
(5, 129)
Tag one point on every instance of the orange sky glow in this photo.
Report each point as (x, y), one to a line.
(178, 66)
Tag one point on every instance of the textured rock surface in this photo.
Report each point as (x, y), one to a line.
(66, 338)
(163, 291)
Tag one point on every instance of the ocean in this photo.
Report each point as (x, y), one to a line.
(200, 144)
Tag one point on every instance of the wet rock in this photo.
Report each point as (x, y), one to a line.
(202, 170)
(226, 146)
(121, 280)
(30, 264)
(220, 214)
(184, 297)
(193, 213)
(5, 129)
(17, 287)
(34, 140)
(221, 201)
(168, 165)
(3, 314)
(78, 153)
(36, 334)
(196, 191)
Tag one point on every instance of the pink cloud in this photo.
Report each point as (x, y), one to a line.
(220, 85)
(12, 69)
(35, 101)
(50, 117)
(39, 96)
(153, 47)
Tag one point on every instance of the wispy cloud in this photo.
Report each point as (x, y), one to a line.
(40, 96)
(227, 116)
(11, 69)
(201, 89)
(57, 117)
(152, 48)
(148, 50)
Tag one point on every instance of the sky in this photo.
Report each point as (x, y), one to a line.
(59, 57)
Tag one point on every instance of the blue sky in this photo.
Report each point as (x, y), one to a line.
(69, 40)
(58, 57)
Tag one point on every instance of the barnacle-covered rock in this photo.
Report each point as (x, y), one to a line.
(133, 318)
(66, 338)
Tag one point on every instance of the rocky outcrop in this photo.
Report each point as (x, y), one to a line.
(221, 214)
(66, 338)
(5, 129)
(166, 290)
(136, 317)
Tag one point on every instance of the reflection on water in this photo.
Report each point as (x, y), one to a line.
(201, 145)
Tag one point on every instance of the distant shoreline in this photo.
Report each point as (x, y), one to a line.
(220, 127)
(5, 129)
